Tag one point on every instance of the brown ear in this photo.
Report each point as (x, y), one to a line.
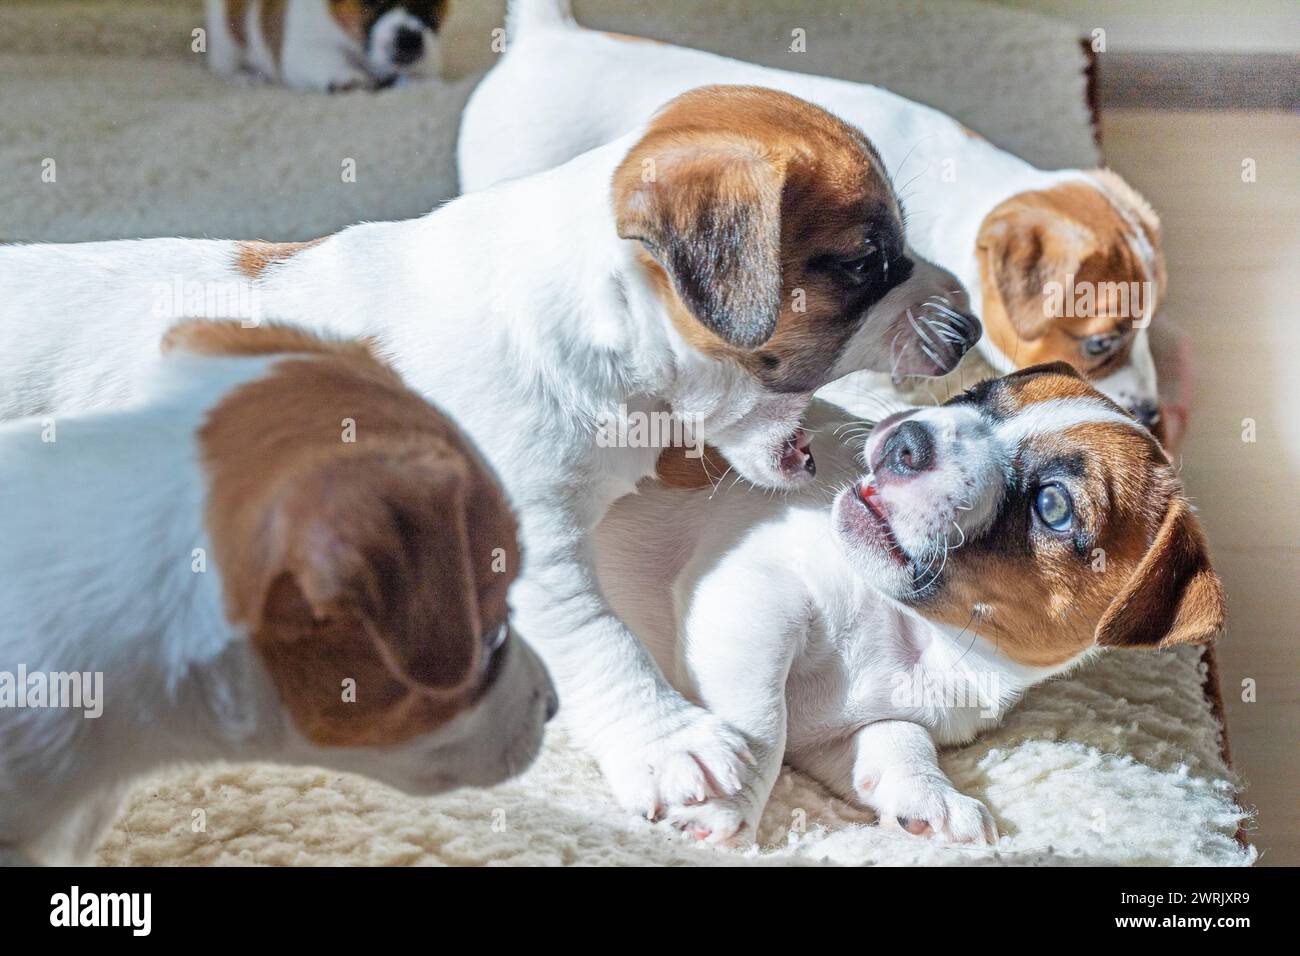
(709, 210)
(1022, 247)
(439, 641)
(399, 566)
(1174, 596)
(380, 591)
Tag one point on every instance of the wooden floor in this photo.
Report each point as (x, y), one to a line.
(1233, 251)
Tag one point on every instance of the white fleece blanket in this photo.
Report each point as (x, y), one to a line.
(1118, 764)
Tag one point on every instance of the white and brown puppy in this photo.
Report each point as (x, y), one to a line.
(716, 266)
(1061, 266)
(222, 571)
(997, 540)
(322, 45)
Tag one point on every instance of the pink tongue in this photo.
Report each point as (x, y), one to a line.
(870, 496)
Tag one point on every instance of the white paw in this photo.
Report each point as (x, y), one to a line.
(929, 805)
(725, 821)
(691, 757)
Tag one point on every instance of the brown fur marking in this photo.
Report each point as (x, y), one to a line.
(271, 20)
(366, 560)
(255, 256)
(676, 470)
(351, 16)
(237, 20)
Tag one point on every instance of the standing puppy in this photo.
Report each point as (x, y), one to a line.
(1060, 265)
(715, 267)
(322, 45)
(217, 572)
(995, 541)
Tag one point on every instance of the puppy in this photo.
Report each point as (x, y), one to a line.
(1061, 266)
(714, 267)
(995, 541)
(279, 552)
(322, 45)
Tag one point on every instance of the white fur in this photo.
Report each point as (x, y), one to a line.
(99, 529)
(762, 610)
(559, 90)
(316, 55)
(520, 313)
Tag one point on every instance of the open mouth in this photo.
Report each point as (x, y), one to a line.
(796, 455)
(876, 527)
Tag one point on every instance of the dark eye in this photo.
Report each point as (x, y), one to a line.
(1054, 507)
(1095, 346)
(866, 266)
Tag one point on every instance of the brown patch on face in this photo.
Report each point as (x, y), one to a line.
(271, 20)
(1045, 383)
(742, 199)
(352, 16)
(236, 20)
(1134, 569)
(253, 257)
(1073, 235)
(366, 561)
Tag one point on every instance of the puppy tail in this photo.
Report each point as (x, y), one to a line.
(524, 17)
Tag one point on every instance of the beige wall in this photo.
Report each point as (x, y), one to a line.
(1219, 25)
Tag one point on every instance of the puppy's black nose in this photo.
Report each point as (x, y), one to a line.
(552, 705)
(408, 45)
(909, 449)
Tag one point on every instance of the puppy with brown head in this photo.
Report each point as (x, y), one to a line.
(774, 238)
(285, 554)
(1073, 272)
(996, 540)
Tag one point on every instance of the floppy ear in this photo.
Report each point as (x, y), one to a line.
(709, 212)
(438, 643)
(364, 596)
(1174, 596)
(1022, 247)
(412, 597)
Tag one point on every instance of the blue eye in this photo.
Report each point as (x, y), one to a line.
(1054, 507)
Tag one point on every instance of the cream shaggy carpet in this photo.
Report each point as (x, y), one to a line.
(1119, 764)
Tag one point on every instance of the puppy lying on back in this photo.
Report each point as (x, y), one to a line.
(995, 541)
(322, 45)
(278, 553)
